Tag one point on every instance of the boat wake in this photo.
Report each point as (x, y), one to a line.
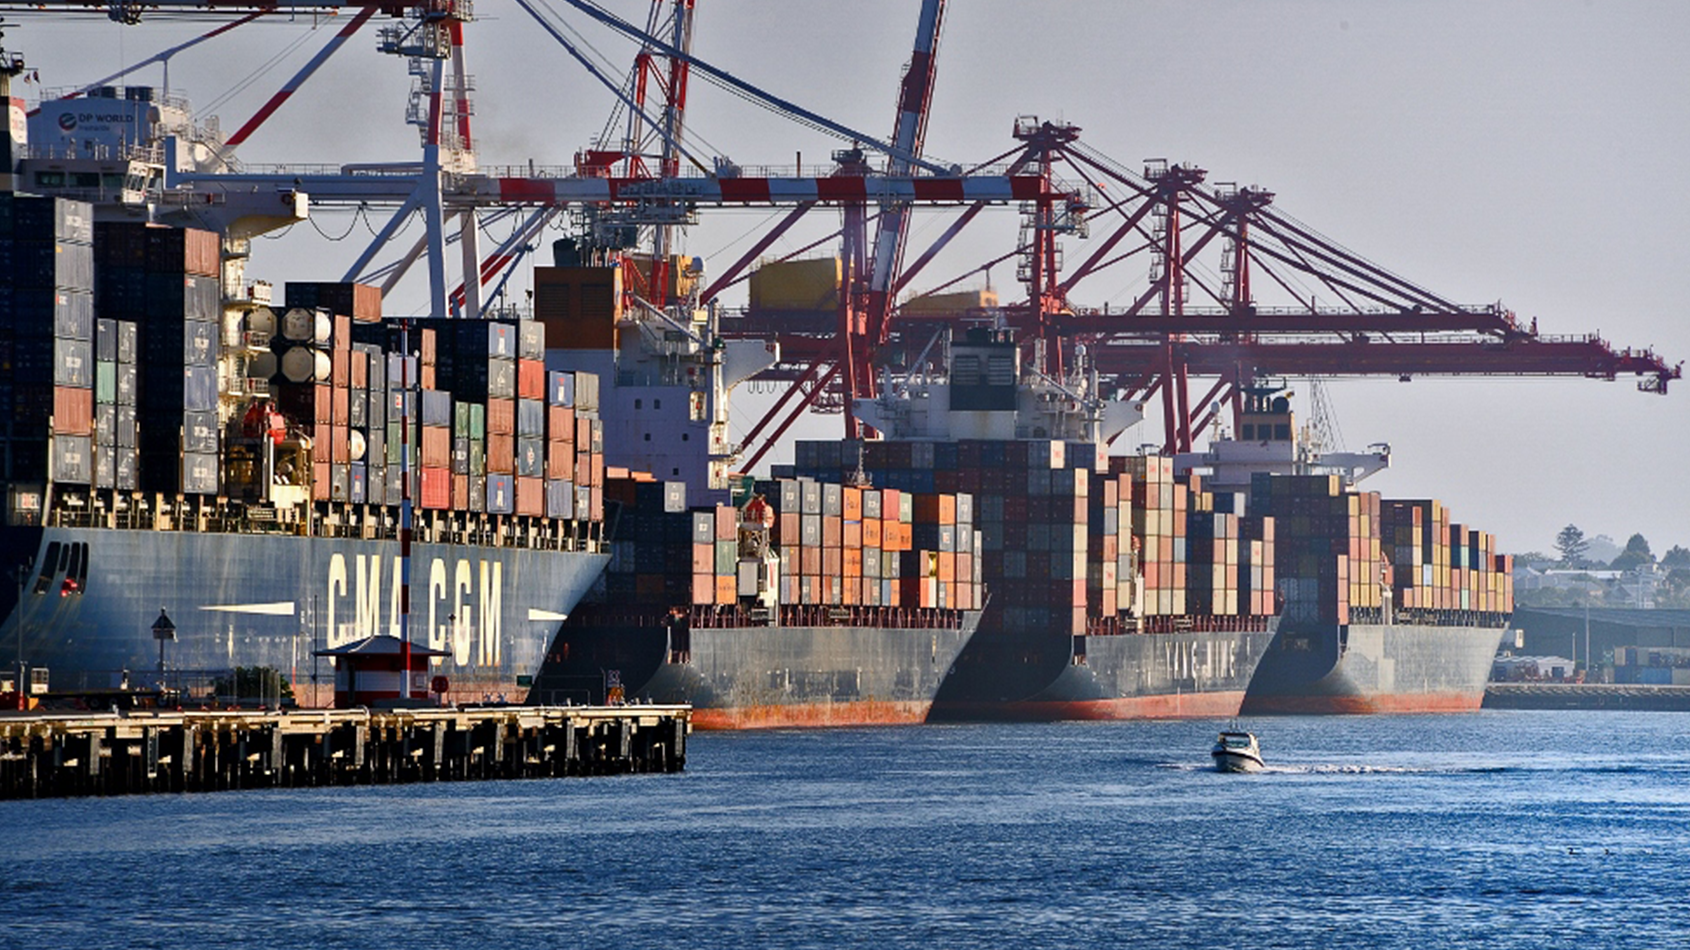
(1352, 769)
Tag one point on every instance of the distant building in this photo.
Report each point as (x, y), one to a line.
(1621, 640)
(1635, 588)
(1531, 669)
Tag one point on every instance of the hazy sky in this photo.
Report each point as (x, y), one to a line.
(1527, 152)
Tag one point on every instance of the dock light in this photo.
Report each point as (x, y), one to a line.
(163, 630)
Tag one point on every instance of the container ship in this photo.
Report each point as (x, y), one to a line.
(1115, 590)
(793, 602)
(172, 441)
(801, 603)
(1385, 605)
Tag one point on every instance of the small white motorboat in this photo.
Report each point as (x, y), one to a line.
(1237, 752)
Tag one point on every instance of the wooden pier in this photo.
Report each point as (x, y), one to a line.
(46, 755)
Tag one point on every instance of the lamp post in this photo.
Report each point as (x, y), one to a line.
(1587, 671)
(163, 630)
(23, 575)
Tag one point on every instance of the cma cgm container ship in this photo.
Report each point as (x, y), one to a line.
(794, 602)
(242, 467)
(1386, 605)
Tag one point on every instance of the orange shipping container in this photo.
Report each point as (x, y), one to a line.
(501, 454)
(436, 447)
(501, 417)
(871, 533)
(560, 461)
(531, 496)
(560, 424)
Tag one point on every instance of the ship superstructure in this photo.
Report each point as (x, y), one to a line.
(667, 373)
(1268, 440)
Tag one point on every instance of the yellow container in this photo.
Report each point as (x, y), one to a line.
(958, 302)
(797, 285)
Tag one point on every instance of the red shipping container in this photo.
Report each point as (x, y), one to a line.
(460, 492)
(320, 481)
(339, 445)
(340, 367)
(530, 379)
(340, 412)
(360, 370)
(73, 411)
(935, 509)
(703, 588)
(436, 488)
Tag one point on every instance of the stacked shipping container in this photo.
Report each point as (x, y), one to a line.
(167, 280)
(1075, 541)
(46, 338)
(1436, 565)
(117, 460)
(845, 546)
(798, 543)
(1342, 553)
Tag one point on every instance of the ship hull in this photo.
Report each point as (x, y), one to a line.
(272, 600)
(1041, 677)
(1374, 668)
(756, 677)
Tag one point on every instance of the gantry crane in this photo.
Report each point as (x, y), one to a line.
(1189, 322)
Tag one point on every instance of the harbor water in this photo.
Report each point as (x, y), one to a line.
(1496, 829)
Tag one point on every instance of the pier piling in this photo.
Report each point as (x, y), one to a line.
(46, 755)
